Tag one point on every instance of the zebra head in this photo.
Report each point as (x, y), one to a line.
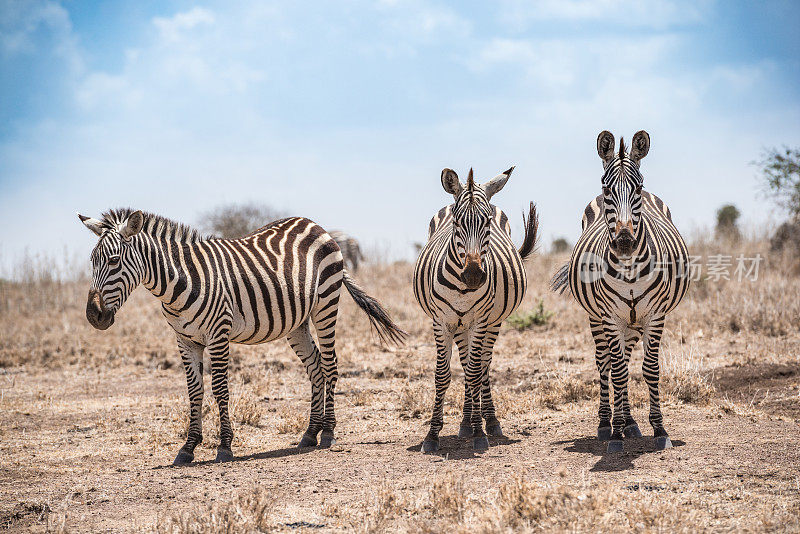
(622, 189)
(472, 218)
(117, 267)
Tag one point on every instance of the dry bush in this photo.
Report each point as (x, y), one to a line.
(292, 421)
(246, 408)
(565, 389)
(521, 505)
(414, 400)
(383, 505)
(247, 512)
(448, 498)
(683, 377)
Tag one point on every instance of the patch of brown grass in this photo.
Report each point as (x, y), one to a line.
(683, 377)
(414, 400)
(249, 511)
(291, 421)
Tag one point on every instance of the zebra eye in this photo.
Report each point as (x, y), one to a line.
(607, 191)
(113, 260)
(638, 189)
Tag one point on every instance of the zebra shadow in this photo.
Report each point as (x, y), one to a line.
(277, 453)
(634, 448)
(454, 448)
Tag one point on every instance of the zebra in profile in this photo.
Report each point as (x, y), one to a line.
(274, 283)
(468, 278)
(351, 251)
(628, 270)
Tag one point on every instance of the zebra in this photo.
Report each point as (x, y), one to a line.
(351, 251)
(468, 278)
(273, 283)
(628, 270)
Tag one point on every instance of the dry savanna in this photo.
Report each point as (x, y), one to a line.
(91, 420)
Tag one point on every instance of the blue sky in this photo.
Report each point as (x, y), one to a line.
(346, 112)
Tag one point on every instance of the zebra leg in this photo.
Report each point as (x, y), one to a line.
(474, 376)
(444, 351)
(218, 353)
(487, 405)
(465, 428)
(325, 324)
(602, 359)
(192, 357)
(631, 429)
(650, 370)
(303, 345)
(619, 378)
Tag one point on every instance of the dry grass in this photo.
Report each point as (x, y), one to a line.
(249, 511)
(292, 422)
(91, 417)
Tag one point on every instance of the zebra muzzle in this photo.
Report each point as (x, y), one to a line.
(473, 276)
(99, 317)
(624, 242)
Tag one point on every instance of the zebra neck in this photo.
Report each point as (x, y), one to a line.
(164, 261)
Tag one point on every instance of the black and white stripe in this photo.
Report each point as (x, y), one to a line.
(468, 278)
(628, 270)
(271, 284)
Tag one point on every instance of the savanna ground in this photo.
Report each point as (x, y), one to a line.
(91, 422)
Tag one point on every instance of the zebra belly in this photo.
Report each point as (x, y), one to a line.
(271, 327)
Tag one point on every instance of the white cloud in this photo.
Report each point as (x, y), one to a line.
(174, 29)
(20, 22)
(655, 14)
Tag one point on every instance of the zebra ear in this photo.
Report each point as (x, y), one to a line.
(497, 183)
(451, 183)
(640, 145)
(133, 225)
(605, 146)
(94, 225)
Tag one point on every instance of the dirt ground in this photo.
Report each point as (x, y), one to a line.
(92, 421)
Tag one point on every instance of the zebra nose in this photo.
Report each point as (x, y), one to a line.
(622, 226)
(96, 314)
(473, 275)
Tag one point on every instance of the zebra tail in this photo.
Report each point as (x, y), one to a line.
(559, 282)
(531, 224)
(379, 318)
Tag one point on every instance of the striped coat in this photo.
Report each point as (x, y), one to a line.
(277, 282)
(628, 270)
(468, 278)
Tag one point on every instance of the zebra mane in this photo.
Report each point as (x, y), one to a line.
(471, 186)
(622, 149)
(154, 225)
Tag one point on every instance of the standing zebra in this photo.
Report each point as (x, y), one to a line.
(271, 284)
(351, 251)
(628, 270)
(468, 279)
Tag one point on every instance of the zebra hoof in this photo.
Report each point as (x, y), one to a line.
(615, 445)
(632, 431)
(663, 442)
(494, 430)
(307, 440)
(183, 458)
(604, 433)
(480, 443)
(430, 445)
(465, 431)
(326, 440)
(224, 455)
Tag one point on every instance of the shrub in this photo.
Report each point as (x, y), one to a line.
(522, 320)
(232, 221)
